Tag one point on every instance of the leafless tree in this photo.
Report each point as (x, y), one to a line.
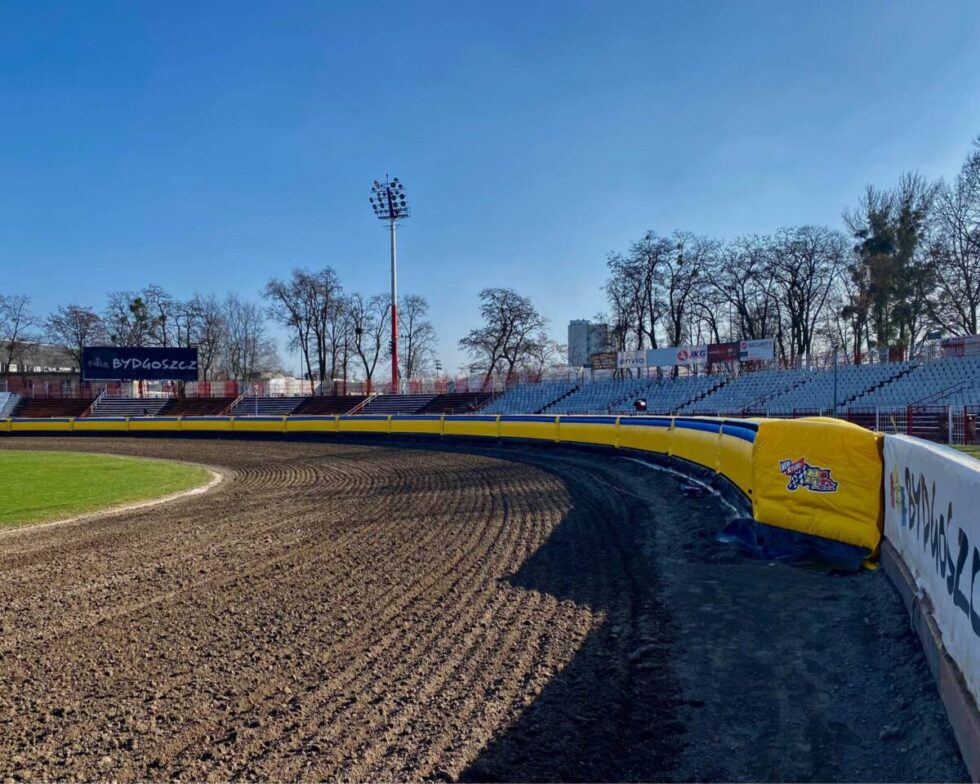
(511, 326)
(417, 336)
(17, 325)
(208, 332)
(72, 327)
(247, 348)
(128, 321)
(806, 264)
(956, 249)
(370, 321)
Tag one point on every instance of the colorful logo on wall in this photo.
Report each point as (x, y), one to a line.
(802, 474)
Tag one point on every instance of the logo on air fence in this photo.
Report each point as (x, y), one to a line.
(802, 474)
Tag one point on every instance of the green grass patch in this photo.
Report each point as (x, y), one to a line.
(40, 486)
(972, 450)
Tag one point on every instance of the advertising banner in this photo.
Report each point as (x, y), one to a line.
(931, 494)
(683, 355)
(628, 360)
(723, 352)
(605, 360)
(661, 357)
(963, 346)
(111, 363)
(692, 355)
(757, 350)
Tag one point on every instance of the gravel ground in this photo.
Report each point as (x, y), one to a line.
(360, 612)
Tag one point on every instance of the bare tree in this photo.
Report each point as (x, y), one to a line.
(290, 306)
(72, 327)
(309, 304)
(508, 335)
(208, 332)
(370, 318)
(417, 334)
(16, 329)
(246, 344)
(956, 249)
(806, 264)
(128, 321)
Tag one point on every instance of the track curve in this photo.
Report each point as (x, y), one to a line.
(360, 612)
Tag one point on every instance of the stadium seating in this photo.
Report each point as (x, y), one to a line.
(266, 406)
(952, 381)
(747, 392)
(455, 403)
(196, 406)
(669, 395)
(328, 405)
(815, 392)
(397, 404)
(128, 406)
(8, 402)
(47, 408)
(529, 398)
(599, 397)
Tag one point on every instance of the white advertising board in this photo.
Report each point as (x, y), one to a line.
(627, 360)
(749, 350)
(931, 498)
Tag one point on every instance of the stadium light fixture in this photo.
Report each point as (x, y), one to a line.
(390, 204)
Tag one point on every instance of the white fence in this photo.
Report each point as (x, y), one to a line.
(931, 494)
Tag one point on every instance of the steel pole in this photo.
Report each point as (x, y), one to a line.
(394, 311)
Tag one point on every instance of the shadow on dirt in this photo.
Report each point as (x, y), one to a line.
(610, 715)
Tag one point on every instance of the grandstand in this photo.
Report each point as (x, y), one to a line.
(329, 405)
(529, 398)
(8, 402)
(455, 403)
(397, 404)
(265, 406)
(954, 381)
(883, 387)
(49, 408)
(128, 406)
(196, 406)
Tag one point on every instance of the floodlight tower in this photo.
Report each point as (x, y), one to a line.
(389, 204)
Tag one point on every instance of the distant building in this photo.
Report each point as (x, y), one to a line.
(586, 338)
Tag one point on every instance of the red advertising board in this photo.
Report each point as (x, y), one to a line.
(723, 352)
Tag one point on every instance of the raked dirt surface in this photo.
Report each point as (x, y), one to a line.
(345, 611)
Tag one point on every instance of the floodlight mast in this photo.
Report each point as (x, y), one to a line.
(389, 204)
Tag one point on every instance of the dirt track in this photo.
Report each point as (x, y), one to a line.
(339, 610)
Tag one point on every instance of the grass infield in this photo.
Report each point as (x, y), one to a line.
(40, 486)
(971, 450)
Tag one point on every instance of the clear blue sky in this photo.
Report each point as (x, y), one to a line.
(208, 146)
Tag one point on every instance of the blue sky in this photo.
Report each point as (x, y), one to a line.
(209, 146)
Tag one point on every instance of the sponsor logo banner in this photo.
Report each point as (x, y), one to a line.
(931, 495)
(109, 363)
(723, 352)
(631, 359)
(811, 477)
(605, 360)
(749, 350)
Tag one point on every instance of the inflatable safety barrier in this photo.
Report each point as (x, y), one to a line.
(820, 477)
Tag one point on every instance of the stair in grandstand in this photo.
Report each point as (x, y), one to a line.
(8, 402)
(47, 408)
(397, 404)
(904, 371)
(557, 400)
(265, 406)
(128, 406)
(196, 406)
(328, 405)
(529, 398)
(455, 403)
